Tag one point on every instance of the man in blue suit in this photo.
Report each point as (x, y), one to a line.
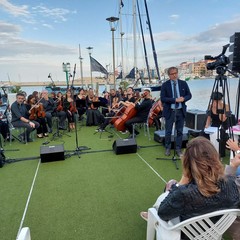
(174, 94)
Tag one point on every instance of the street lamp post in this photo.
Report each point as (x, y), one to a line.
(66, 68)
(90, 53)
(112, 21)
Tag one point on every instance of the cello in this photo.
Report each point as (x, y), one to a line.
(156, 108)
(129, 113)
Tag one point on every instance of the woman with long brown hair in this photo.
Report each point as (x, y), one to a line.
(203, 188)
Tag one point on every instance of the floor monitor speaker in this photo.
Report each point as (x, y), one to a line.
(52, 153)
(123, 146)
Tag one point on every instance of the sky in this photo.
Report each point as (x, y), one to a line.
(37, 36)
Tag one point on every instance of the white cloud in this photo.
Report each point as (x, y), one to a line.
(47, 25)
(14, 9)
(57, 14)
(174, 16)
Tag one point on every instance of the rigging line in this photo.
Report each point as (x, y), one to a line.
(152, 41)
(28, 200)
(144, 44)
(152, 168)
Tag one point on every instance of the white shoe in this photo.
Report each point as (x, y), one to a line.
(40, 135)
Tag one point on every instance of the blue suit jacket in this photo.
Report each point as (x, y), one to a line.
(167, 96)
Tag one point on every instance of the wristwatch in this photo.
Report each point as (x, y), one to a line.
(28, 121)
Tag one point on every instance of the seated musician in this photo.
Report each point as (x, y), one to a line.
(105, 109)
(116, 106)
(113, 105)
(70, 109)
(50, 108)
(143, 109)
(81, 103)
(37, 113)
(20, 117)
(93, 113)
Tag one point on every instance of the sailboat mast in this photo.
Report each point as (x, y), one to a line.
(121, 34)
(81, 70)
(144, 45)
(134, 39)
(152, 41)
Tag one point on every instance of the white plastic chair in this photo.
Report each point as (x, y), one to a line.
(24, 234)
(200, 227)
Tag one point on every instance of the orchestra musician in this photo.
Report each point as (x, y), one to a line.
(59, 101)
(37, 113)
(130, 98)
(20, 117)
(50, 108)
(143, 109)
(93, 113)
(81, 103)
(113, 106)
(70, 109)
(105, 110)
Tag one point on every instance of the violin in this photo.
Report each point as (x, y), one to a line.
(33, 115)
(72, 108)
(59, 105)
(37, 111)
(40, 111)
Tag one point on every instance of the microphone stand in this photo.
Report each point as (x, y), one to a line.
(78, 148)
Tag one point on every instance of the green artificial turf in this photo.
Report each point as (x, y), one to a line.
(96, 195)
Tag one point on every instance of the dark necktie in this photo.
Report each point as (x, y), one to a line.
(175, 94)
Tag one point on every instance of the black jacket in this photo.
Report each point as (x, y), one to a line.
(186, 201)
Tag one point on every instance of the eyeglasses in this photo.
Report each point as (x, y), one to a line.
(173, 73)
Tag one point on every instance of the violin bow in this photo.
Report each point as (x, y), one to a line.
(74, 73)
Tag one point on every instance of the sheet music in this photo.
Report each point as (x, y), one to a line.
(210, 130)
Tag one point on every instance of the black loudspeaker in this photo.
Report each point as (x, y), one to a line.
(159, 136)
(196, 119)
(52, 153)
(123, 146)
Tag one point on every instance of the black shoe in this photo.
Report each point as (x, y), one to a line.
(136, 132)
(167, 152)
(29, 140)
(62, 128)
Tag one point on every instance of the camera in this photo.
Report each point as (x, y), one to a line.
(220, 61)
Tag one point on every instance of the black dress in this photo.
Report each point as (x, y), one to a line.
(93, 114)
